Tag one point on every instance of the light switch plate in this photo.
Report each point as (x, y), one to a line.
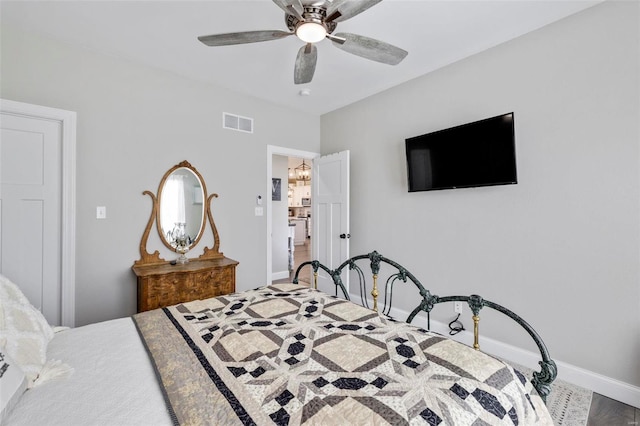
(259, 211)
(101, 212)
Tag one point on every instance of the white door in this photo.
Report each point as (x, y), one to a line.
(31, 210)
(330, 213)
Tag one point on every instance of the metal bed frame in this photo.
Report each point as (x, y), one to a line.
(541, 380)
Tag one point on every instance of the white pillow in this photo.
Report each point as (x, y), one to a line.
(13, 383)
(24, 332)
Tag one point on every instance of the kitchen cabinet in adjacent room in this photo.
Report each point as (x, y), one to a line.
(300, 192)
(301, 230)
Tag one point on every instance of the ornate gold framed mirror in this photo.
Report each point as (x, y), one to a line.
(180, 211)
(180, 214)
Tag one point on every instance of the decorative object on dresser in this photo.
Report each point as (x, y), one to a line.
(180, 212)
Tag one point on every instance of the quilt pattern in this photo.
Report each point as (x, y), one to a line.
(290, 355)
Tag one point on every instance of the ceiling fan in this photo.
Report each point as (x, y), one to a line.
(312, 23)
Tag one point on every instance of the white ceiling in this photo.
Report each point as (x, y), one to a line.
(163, 34)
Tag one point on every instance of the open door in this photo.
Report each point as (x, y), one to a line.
(330, 213)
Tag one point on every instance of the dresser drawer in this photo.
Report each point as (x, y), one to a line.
(214, 282)
(161, 290)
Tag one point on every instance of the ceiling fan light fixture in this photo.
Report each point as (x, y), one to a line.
(311, 32)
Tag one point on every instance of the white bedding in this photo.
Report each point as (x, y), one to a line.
(114, 382)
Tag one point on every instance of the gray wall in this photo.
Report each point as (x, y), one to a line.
(134, 123)
(562, 246)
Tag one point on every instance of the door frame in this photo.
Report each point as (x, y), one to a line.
(67, 120)
(286, 152)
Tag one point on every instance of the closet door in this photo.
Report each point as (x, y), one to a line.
(31, 209)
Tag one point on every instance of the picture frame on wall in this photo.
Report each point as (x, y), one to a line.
(276, 189)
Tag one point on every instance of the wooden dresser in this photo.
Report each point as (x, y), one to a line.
(164, 284)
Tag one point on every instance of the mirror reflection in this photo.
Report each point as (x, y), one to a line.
(181, 209)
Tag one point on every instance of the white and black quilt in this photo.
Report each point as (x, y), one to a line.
(290, 355)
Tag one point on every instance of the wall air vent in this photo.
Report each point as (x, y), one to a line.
(236, 122)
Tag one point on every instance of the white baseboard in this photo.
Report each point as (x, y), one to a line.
(279, 275)
(612, 388)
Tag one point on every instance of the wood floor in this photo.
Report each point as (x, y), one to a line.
(603, 412)
(608, 412)
(301, 254)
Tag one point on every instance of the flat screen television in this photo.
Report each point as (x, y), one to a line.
(481, 153)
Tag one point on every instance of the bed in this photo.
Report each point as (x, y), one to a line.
(280, 354)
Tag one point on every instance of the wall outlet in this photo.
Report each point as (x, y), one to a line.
(457, 307)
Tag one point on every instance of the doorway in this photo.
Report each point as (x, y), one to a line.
(278, 265)
(299, 172)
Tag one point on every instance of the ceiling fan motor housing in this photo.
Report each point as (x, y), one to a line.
(311, 14)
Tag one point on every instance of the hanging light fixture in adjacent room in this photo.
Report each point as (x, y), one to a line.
(303, 171)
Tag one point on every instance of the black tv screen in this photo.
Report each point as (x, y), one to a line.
(481, 153)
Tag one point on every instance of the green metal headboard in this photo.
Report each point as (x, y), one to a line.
(541, 380)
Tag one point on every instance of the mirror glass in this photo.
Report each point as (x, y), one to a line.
(181, 215)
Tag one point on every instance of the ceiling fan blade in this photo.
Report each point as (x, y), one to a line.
(341, 10)
(242, 37)
(369, 48)
(305, 64)
(292, 7)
